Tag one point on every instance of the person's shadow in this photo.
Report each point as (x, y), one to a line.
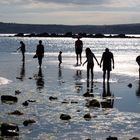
(40, 80)
(78, 83)
(107, 96)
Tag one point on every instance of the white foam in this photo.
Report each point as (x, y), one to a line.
(4, 81)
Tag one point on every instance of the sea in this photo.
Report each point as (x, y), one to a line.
(67, 84)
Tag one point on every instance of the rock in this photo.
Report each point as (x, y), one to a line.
(27, 122)
(8, 98)
(135, 138)
(87, 117)
(74, 102)
(65, 117)
(25, 103)
(93, 103)
(52, 98)
(31, 101)
(130, 85)
(8, 129)
(17, 92)
(16, 112)
(112, 138)
(87, 94)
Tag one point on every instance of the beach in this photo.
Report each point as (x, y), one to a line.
(53, 90)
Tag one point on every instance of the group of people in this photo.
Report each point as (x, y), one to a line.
(107, 58)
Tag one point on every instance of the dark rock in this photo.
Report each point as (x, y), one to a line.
(17, 92)
(135, 138)
(65, 117)
(31, 101)
(93, 103)
(27, 122)
(25, 103)
(87, 94)
(112, 138)
(9, 129)
(16, 112)
(52, 98)
(130, 85)
(74, 102)
(8, 98)
(87, 117)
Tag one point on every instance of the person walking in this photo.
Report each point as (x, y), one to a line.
(78, 49)
(40, 52)
(138, 61)
(90, 63)
(107, 59)
(22, 49)
(60, 58)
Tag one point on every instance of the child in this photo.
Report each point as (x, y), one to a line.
(60, 58)
(90, 63)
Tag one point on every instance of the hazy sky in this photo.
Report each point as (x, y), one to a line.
(70, 12)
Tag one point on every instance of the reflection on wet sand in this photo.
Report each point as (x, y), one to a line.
(107, 96)
(78, 83)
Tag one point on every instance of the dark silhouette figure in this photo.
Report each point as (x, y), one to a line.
(40, 80)
(60, 58)
(138, 61)
(90, 63)
(107, 96)
(40, 52)
(22, 49)
(78, 50)
(107, 59)
(138, 90)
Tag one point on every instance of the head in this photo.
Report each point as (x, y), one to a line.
(106, 50)
(40, 41)
(88, 51)
(60, 52)
(21, 42)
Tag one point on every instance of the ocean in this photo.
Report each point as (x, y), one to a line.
(68, 84)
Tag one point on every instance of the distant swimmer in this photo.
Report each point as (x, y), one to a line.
(107, 59)
(22, 49)
(138, 61)
(90, 63)
(40, 52)
(78, 49)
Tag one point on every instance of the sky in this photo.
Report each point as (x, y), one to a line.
(70, 12)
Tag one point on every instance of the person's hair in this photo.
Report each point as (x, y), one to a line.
(40, 41)
(88, 51)
(60, 51)
(107, 50)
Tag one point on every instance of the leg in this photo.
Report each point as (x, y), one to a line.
(80, 58)
(108, 76)
(92, 74)
(40, 61)
(87, 72)
(23, 56)
(104, 73)
(77, 58)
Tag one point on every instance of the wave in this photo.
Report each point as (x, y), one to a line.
(4, 81)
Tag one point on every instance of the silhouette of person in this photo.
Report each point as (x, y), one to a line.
(22, 49)
(138, 90)
(108, 102)
(78, 49)
(40, 80)
(107, 59)
(138, 61)
(40, 52)
(90, 63)
(60, 58)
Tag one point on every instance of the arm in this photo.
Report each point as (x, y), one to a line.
(84, 62)
(96, 59)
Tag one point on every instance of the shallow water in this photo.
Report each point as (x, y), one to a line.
(68, 83)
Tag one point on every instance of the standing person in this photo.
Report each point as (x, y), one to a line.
(107, 59)
(40, 52)
(60, 58)
(78, 49)
(22, 49)
(138, 61)
(90, 63)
